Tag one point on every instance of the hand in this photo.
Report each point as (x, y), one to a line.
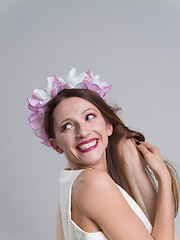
(153, 159)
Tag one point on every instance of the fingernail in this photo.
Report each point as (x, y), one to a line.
(138, 143)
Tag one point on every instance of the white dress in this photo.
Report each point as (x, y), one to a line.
(71, 230)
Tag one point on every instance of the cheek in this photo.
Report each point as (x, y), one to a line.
(65, 141)
(61, 140)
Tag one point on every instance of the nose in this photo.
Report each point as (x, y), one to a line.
(82, 130)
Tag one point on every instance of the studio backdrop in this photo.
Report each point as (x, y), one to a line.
(133, 45)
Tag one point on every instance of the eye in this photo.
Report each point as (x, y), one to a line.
(66, 126)
(90, 116)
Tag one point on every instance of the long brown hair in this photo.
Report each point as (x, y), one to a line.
(115, 162)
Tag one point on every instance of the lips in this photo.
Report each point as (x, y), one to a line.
(84, 142)
(88, 145)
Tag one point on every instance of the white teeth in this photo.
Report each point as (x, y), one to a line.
(87, 145)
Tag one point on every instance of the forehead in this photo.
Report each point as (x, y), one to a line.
(73, 106)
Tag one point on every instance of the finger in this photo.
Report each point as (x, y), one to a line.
(150, 147)
(144, 150)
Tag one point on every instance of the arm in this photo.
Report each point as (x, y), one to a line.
(135, 170)
(146, 188)
(164, 219)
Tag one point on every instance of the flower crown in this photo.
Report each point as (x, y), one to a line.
(40, 98)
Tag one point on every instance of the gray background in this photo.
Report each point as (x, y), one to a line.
(134, 45)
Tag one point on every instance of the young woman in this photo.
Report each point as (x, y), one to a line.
(107, 191)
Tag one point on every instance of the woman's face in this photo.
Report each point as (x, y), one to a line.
(81, 133)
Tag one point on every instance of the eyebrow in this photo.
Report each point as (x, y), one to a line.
(69, 119)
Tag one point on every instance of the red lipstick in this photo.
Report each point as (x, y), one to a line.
(90, 148)
(84, 142)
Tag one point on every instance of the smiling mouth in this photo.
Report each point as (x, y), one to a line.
(88, 146)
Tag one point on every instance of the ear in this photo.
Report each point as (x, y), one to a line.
(55, 146)
(109, 129)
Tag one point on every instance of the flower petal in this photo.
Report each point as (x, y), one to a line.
(81, 85)
(33, 102)
(67, 86)
(31, 108)
(88, 77)
(95, 87)
(43, 134)
(33, 116)
(40, 94)
(51, 81)
(96, 77)
(104, 90)
(46, 142)
(72, 74)
(54, 92)
(61, 81)
(103, 84)
(36, 123)
(79, 78)
(43, 103)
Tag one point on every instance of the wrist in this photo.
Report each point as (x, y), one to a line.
(164, 177)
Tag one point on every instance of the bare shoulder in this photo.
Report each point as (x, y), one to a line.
(91, 178)
(97, 197)
(90, 185)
